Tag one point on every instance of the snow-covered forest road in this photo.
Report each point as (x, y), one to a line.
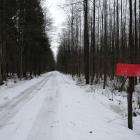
(53, 107)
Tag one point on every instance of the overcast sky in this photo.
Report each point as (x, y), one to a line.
(58, 16)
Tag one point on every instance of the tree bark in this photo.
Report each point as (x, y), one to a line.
(86, 42)
(131, 79)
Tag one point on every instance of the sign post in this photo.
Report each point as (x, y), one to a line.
(130, 71)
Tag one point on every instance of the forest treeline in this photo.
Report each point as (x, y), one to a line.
(24, 43)
(98, 35)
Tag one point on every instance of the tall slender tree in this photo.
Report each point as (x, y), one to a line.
(131, 60)
(86, 41)
(24, 43)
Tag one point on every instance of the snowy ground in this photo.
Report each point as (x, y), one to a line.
(53, 107)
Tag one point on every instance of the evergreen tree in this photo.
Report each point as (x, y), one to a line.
(24, 44)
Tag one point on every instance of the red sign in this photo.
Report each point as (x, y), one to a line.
(130, 70)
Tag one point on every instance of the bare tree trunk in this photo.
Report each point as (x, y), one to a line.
(0, 63)
(105, 43)
(93, 45)
(86, 42)
(131, 79)
(1, 41)
(130, 91)
(117, 35)
(136, 37)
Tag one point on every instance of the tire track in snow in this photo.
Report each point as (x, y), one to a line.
(11, 108)
(48, 124)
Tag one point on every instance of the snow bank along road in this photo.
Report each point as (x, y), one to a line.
(54, 108)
